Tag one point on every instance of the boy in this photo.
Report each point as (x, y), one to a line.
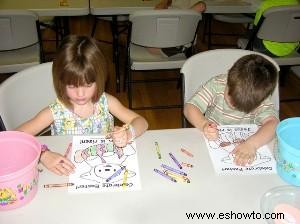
(243, 96)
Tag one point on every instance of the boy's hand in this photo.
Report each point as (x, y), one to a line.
(57, 163)
(244, 154)
(210, 131)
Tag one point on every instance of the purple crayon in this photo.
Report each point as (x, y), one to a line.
(164, 175)
(175, 160)
(173, 170)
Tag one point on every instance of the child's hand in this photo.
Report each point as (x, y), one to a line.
(119, 136)
(244, 154)
(210, 131)
(57, 163)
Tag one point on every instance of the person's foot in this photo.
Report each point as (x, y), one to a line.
(153, 50)
(199, 7)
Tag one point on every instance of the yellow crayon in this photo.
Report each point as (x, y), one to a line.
(177, 177)
(157, 150)
(125, 178)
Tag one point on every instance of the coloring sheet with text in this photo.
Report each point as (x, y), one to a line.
(222, 158)
(103, 167)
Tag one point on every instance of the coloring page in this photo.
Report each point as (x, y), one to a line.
(102, 167)
(229, 137)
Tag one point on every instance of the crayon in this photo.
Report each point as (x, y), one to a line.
(58, 185)
(125, 178)
(187, 165)
(117, 173)
(173, 170)
(157, 150)
(186, 152)
(123, 128)
(165, 175)
(175, 160)
(68, 150)
(177, 176)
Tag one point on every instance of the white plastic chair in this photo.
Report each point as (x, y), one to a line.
(280, 24)
(19, 40)
(201, 67)
(234, 18)
(119, 24)
(25, 93)
(158, 29)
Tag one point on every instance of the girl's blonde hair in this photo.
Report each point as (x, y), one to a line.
(78, 62)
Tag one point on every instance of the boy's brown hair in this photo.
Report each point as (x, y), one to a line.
(78, 62)
(250, 81)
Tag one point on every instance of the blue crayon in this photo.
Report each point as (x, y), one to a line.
(117, 173)
(175, 160)
(173, 170)
(164, 175)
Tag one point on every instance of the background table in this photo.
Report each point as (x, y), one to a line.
(160, 200)
(49, 7)
(120, 7)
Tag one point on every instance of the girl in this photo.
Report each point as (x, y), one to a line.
(82, 107)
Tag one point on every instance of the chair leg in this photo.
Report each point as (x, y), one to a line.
(209, 31)
(129, 89)
(94, 27)
(115, 35)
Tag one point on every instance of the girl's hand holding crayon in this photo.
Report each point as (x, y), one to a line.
(210, 130)
(120, 136)
(57, 163)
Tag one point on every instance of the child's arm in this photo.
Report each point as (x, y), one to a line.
(56, 163)
(38, 123)
(198, 120)
(51, 160)
(138, 124)
(245, 152)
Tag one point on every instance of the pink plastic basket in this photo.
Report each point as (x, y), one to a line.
(19, 155)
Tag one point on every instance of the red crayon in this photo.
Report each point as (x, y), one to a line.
(187, 152)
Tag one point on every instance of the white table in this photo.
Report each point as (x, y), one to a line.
(49, 7)
(160, 200)
(119, 7)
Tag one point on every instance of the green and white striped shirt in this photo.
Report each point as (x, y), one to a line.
(211, 102)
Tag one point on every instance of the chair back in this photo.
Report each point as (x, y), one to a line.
(281, 24)
(18, 29)
(25, 93)
(202, 66)
(164, 28)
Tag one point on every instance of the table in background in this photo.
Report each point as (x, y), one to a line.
(49, 7)
(125, 7)
(59, 8)
(160, 200)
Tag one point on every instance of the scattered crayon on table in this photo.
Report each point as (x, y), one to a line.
(164, 175)
(175, 160)
(186, 152)
(173, 170)
(157, 150)
(187, 165)
(58, 185)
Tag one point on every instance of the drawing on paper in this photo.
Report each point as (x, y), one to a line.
(229, 137)
(101, 166)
